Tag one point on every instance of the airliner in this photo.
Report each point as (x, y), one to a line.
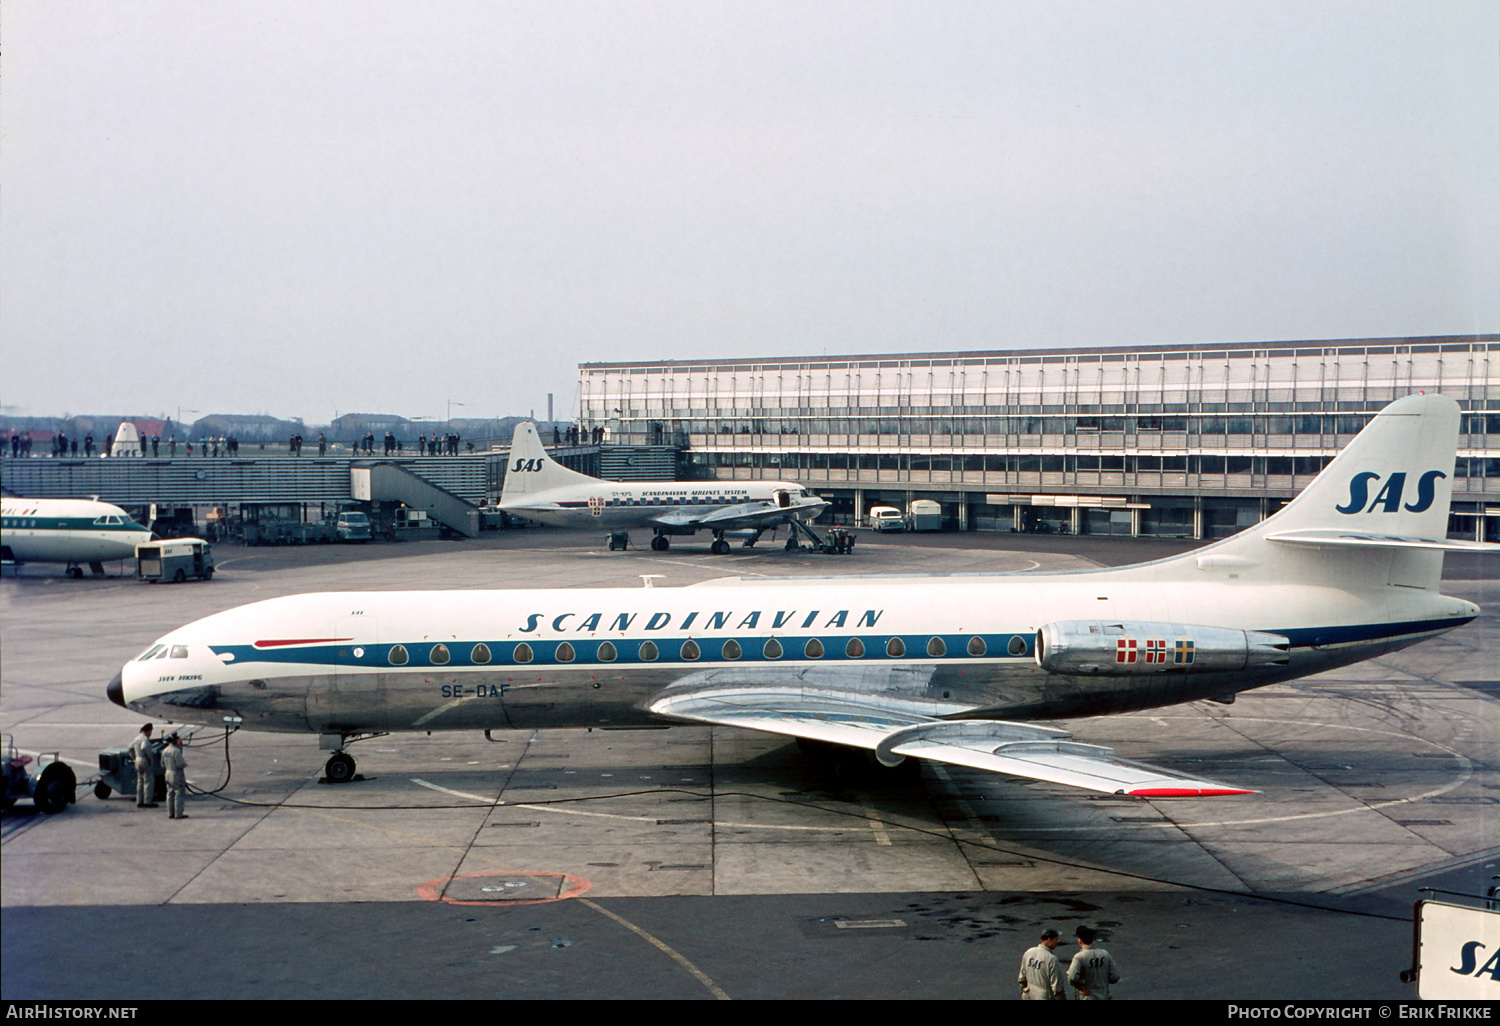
(71, 531)
(957, 669)
(539, 488)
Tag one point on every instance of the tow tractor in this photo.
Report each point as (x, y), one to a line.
(46, 780)
(117, 767)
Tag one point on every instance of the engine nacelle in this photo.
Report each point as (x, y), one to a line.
(1139, 647)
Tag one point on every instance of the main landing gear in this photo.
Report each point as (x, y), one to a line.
(661, 543)
(720, 546)
(76, 572)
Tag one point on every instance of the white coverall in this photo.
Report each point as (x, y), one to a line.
(145, 771)
(175, 764)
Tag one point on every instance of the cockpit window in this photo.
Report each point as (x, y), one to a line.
(179, 651)
(150, 652)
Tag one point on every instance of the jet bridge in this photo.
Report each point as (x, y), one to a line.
(379, 481)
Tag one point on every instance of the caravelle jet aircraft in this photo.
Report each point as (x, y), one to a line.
(954, 669)
(71, 531)
(539, 488)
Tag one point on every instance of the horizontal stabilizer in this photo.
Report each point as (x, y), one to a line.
(1332, 538)
(893, 733)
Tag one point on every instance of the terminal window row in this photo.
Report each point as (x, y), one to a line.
(906, 422)
(1021, 463)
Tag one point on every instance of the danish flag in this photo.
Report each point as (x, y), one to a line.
(1125, 650)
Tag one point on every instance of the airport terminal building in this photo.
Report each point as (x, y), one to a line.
(1180, 440)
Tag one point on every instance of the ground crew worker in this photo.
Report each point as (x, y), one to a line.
(1092, 970)
(1041, 976)
(175, 764)
(145, 769)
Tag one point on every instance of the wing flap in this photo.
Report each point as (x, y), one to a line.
(894, 732)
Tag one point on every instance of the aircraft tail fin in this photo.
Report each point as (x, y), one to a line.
(530, 470)
(1381, 506)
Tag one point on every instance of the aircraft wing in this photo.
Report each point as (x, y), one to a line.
(893, 730)
(743, 515)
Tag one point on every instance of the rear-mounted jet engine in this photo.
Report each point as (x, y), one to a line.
(1110, 649)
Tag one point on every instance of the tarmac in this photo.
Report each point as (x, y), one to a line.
(701, 862)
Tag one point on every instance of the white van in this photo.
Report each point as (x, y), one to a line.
(886, 518)
(925, 515)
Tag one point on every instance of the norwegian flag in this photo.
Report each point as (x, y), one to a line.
(1156, 650)
(1125, 650)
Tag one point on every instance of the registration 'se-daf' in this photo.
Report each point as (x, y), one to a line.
(955, 669)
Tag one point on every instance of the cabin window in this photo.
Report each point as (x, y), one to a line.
(648, 651)
(1017, 646)
(895, 648)
(149, 653)
(398, 655)
(976, 646)
(565, 653)
(772, 649)
(607, 652)
(522, 653)
(855, 648)
(480, 654)
(179, 651)
(439, 655)
(813, 649)
(936, 648)
(731, 649)
(690, 649)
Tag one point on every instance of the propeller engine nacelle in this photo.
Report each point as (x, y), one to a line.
(1141, 647)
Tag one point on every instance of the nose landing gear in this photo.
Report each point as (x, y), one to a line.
(340, 767)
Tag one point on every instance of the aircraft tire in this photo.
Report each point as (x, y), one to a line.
(55, 788)
(721, 547)
(340, 768)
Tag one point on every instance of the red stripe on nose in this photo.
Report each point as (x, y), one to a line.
(297, 641)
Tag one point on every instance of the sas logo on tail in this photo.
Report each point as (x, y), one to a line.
(1388, 499)
(525, 465)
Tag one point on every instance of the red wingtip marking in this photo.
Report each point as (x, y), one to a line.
(1186, 792)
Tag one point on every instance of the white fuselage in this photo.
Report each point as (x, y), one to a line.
(68, 531)
(622, 505)
(953, 646)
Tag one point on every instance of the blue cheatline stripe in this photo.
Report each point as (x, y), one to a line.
(18, 523)
(669, 651)
(1308, 637)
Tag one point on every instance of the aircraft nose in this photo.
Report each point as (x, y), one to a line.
(116, 690)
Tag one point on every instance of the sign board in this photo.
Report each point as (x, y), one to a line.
(1458, 953)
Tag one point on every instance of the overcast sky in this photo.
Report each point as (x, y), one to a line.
(309, 208)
